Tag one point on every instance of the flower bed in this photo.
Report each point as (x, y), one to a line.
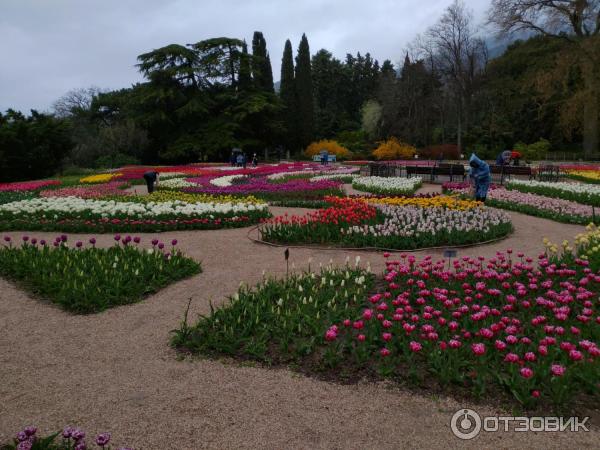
(387, 186)
(69, 439)
(355, 223)
(538, 205)
(85, 279)
(283, 320)
(288, 191)
(504, 327)
(99, 178)
(95, 191)
(76, 214)
(427, 201)
(27, 185)
(577, 192)
(586, 176)
(9, 197)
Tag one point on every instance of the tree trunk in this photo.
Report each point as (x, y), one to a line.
(590, 110)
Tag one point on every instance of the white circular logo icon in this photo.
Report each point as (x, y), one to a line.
(465, 424)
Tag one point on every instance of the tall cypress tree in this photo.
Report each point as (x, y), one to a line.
(261, 63)
(304, 92)
(245, 76)
(287, 93)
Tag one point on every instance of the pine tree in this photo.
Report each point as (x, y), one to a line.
(261, 63)
(304, 92)
(287, 93)
(245, 76)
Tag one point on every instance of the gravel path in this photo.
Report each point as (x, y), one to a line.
(115, 372)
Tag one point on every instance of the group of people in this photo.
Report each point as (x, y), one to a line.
(239, 159)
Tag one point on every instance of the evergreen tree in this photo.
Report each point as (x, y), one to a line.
(287, 93)
(304, 91)
(245, 75)
(261, 63)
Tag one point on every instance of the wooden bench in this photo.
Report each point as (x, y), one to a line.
(449, 170)
(508, 171)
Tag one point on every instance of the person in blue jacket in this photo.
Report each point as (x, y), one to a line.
(480, 177)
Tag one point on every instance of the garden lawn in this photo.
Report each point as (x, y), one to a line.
(85, 279)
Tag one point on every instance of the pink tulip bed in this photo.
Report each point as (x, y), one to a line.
(83, 278)
(513, 328)
(69, 439)
(558, 209)
(13, 192)
(93, 191)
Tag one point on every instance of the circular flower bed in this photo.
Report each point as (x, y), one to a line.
(355, 223)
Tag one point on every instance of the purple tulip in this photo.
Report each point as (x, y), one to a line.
(81, 446)
(93, 241)
(30, 430)
(43, 242)
(174, 242)
(79, 244)
(117, 237)
(103, 439)
(7, 238)
(25, 445)
(128, 238)
(63, 238)
(21, 436)
(78, 434)
(136, 239)
(34, 241)
(56, 244)
(67, 432)
(25, 238)
(154, 241)
(161, 245)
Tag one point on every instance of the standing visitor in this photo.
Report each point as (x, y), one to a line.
(480, 177)
(254, 160)
(244, 160)
(232, 159)
(239, 160)
(151, 178)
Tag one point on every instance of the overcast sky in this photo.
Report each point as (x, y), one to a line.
(51, 46)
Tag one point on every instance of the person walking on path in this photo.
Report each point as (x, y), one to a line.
(151, 177)
(480, 177)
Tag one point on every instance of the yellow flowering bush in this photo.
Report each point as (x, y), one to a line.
(332, 147)
(394, 149)
(440, 201)
(99, 178)
(167, 196)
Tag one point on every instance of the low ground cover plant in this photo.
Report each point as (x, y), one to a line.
(83, 278)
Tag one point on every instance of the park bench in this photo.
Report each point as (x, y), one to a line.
(449, 170)
(509, 171)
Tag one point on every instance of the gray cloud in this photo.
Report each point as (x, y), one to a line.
(51, 46)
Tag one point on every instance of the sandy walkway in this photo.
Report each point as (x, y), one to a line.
(115, 371)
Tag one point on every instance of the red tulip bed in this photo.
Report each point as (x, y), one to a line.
(511, 327)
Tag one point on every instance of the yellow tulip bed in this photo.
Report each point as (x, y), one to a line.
(99, 178)
(439, 201)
